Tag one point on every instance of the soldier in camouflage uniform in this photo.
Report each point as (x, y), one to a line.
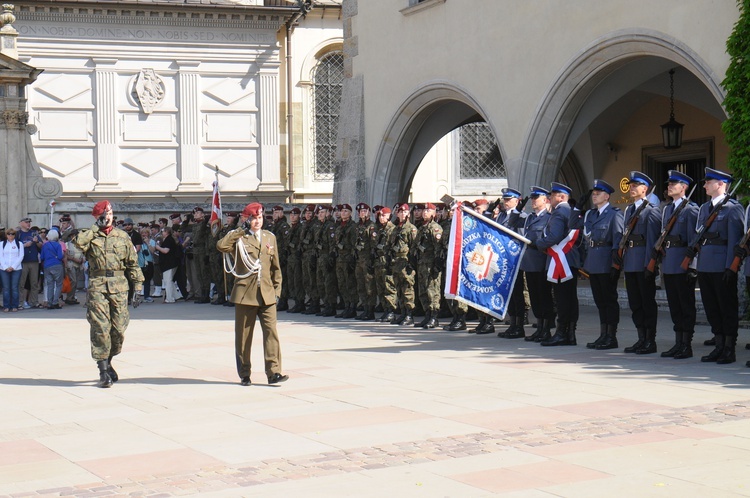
(428, 252)
(364, 274)
(113, 269)
(281, 229)
(386, 289)
(346, 240)
(294, 263)
(222, 280)
(201, 239)
(325, 244)
(402, 240)
(310, 260)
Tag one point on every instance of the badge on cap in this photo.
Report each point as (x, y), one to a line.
(715, 174)
(603, 186)
(640, 177)
(674, 176)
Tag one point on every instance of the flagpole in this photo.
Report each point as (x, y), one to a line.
(216, 179)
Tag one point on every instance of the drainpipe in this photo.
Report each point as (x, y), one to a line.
(304, 7)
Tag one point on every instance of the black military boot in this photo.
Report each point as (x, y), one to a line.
(610, 338)
(350, 312)
(572, 334)
(728, 355)
(488, 327)
(515, 331)
(453, 322)
(538, 332)
(716, 353)
(297, 308)
(369, 314)
(379, 308)
(546, 334)
(710, 342)
(669, 353)
(460, 323)
(388, 316)
(650, 345)
(520, 331)
(362, 315)
(560, 338)
(398, 320)
(409, 320)
(104, 379)
(111, 371)
(686, 347)
(600, 339)
(433, 321)
(482, 321)
(282, 305)
(341, 313)
(639, 343)
(427, 315)
(313, 309)
(511, 327)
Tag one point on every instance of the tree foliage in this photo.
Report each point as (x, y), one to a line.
(737, 101)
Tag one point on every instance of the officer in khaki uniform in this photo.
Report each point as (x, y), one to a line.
(256, 290)
(428, 250)
(113, 269)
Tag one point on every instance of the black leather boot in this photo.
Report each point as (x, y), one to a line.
(572, 334)
(350, 312)
(600, 339)
(718, 349)
(686, 348)
(329, 311)
(453, 322)
(560, 338)
(516, 331)
(111, 371)
(710, 342)
(433, 321)
(482, 321)
(728, 355)
(677, 346)
(362, 315)
(297, 308)
(104, 379)
(369, 314)
(427, 315)
(379, 308)
(650, 345)
(511, 327)
(409, 320)
(313, 309)
(388, 315)
(460, 323)
(539, 329)
(399, 319)
(282, 305)
(488, 327)
(610, 338)
(546, 334)
(639, 343)
(341, 314)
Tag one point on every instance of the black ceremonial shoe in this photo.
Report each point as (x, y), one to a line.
(277, 377)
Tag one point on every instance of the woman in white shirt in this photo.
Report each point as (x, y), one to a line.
(11, 261)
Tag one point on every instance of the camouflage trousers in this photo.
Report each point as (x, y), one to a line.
(326, 278)
(366, 288)
(203, 272)
(386, 289)
(310, 278)
(108, 318)
(295, 279)
(346, 281)
(429, 287)
(284, 279)
(404, 283)
(216, 261)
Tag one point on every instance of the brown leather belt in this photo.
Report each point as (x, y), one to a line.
(106, 273)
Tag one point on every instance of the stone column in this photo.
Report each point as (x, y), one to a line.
(189, 165)
(107, 151)
(270, 174)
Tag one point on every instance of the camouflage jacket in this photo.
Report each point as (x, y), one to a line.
(365, 243)
(110, 253)
(201, 236)
(428, 245)
(380, 247)
(402, 240)
(308, 232)
(325, 238)
(346, 239)
(294, 240)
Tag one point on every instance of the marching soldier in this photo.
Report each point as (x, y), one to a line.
(310, 259)
(280, 229)
(325, 238)
(512, 218)
(386, 287)
(402, 240)
(431, 261)
(364, 272)
(718, 283)
(641, 290)
(602, 231)
(294, 262)
(346, 261)
(678, 283)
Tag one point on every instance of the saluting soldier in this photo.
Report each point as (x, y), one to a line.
(602, 231)
(325, 242)
(402, 240)
(310, 259)
(280, 229)
(678, 283)
(346, 261)
(431, 262)
(294, 262)
(718, 283)
(384, 283)
(565, 285)
(512, 218)
(364, 274)
(641, 288)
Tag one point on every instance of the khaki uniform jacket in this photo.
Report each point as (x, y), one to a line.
(247, 290)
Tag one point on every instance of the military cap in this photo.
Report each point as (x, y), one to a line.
(509, 193)
(481, 202)
(418, 206)
(639, 177)
(600, 184)
(385, 210)
(674, 176)
(715, 174)
(362, 206)
(402, 207)
(65, 217)
(377, 207)
(154, 225)
(197, 208)
(231, 214)
(29, 219)
(295, 210)
(429, 205)
(163, 220)
(253, 209)
(174, 216)
(537, 191)
(278, 208)
(560, 188)
(100, 208)
(344, 206)
(310, 207)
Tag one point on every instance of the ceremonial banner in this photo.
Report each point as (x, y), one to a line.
(483, 262)
(216, 215)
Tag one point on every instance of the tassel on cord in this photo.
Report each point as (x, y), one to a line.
(252, 265)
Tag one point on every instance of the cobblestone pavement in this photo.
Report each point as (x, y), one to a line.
(369, 409)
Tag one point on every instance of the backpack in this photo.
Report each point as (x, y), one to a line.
(18, 244)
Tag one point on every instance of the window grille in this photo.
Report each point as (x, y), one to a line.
(327, 80)
(479, 153)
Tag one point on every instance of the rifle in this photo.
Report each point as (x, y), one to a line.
(706, 225)
(628, 229)
(659, 246)
(737, 261)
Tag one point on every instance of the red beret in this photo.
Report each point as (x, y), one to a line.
(429, 205)
(385, 210)
(278, 208)
(310, 207)
(362, 206)
(479, 202)
(345, 206)
(197, 208)
(100, 208)
(174, 216)
(253, 209)
(402, 207)
(295, 211)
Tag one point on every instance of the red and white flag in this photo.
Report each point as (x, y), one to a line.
(559, 269)
(216, 215)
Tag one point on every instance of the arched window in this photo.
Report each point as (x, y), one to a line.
(479, 154)
(327, 81)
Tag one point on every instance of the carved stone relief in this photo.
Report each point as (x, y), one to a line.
(148, 90)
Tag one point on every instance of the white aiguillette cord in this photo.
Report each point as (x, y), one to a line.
(240, 253)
